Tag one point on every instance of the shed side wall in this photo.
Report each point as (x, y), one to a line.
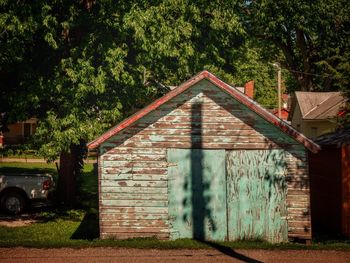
(325, 176)
(346, 189)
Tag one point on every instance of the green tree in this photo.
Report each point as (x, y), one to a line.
(314, 37)
(175, 39)
(66, 63)
(81, 66)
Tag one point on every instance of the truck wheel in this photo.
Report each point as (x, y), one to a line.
(13, 203)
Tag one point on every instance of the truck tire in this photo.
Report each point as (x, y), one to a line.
(13, 203)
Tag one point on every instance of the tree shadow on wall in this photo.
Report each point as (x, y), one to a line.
(200, 198)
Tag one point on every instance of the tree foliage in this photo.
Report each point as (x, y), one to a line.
(314, 37)
(72, 72)
(174, 40)
(81, 66)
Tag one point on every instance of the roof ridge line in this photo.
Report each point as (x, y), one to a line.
(233, 92)
(341, 99)
(333, 106)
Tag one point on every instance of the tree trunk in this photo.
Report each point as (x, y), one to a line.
(66, 185)
(71, 164)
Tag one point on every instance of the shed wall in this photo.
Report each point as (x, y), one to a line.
(346, 189)
(325, 177)
(133, 195)
(330, 190)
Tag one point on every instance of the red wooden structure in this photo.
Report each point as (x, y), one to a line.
(330, 184)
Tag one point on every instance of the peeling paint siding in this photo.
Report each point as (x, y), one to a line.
(298, 194)
(256, 186)
(134, 199)
(133, 165)
(99, 173)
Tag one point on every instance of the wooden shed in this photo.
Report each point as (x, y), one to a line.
(330, 184)
(206, 162)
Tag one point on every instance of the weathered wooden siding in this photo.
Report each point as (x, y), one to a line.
(257, 191)
(134, 167)
(298, 194)
(133, 193)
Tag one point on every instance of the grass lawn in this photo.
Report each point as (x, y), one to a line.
(59, 227)
(28, 168)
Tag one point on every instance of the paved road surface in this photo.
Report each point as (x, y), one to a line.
(68, 255)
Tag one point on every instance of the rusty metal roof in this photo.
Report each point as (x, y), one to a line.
(236, 94)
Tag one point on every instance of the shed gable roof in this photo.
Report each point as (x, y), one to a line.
(236, 94)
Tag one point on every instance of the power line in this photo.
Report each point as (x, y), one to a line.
(307, 73)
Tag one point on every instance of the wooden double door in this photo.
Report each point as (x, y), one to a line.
(227, 195)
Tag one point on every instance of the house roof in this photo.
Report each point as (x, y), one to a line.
(319, 105)
(251, 104)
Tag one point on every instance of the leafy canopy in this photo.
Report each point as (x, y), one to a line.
(81, 66)
(314, 37)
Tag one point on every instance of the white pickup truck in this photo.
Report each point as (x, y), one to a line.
(17, 191)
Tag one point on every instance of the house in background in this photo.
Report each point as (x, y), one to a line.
(285, 108)
(314, 113)
(19, 132)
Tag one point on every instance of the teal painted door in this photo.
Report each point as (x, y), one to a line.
(197, 194)
(256, 195)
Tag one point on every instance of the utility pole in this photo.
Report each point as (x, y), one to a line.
(278, 66)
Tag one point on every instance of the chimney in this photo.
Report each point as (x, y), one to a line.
(249, 89)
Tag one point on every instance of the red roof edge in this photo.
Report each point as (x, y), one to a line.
(309, 144)
(141, 113)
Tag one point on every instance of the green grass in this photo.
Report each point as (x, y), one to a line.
(61, 227)
(15, 167)
(23, 156)
(70, 233)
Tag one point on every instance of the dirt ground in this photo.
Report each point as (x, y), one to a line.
(102, 255)
(16, 221)
(68, 255)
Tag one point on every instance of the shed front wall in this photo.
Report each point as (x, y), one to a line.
(133, 174)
